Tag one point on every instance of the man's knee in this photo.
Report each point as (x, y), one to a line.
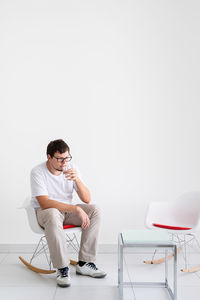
(95, 210)
(53, 215)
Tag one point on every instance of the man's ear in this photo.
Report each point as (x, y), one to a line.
(48, 156)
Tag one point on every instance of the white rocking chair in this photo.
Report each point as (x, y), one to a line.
(181, 218)
(71, 232)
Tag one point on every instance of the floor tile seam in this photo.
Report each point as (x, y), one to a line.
(55, 291)
(179, 282)
(187, 285)
(27, 286)
(190, 287)
(95, 284)
(92, 286)
(179, 267)
(88, 286)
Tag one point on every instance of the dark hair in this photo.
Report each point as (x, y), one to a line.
(57, 146)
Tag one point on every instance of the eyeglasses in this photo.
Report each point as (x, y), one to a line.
(60, 159)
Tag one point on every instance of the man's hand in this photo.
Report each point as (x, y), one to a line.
(71, 174)
(82, 190)
(84, 217)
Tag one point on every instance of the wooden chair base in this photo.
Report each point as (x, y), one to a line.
(191, 270)
(161, 260)
(42, 271)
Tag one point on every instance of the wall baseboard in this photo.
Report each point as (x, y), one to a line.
(29, 248)
(102, 248)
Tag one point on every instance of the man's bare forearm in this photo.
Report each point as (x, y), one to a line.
(82, 191)
(63, 207)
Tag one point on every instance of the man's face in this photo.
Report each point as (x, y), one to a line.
(59, 160)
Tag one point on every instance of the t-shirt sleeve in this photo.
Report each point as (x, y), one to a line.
(38, 185)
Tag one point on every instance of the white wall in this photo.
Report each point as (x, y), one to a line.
(119, 81)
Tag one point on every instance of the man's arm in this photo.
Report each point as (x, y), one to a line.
(46, 203)
(82, 191)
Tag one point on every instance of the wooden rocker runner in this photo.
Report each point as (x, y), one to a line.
(191, 270)
(42, 271)
(161, 260)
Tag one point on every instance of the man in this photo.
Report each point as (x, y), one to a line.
(52, 190)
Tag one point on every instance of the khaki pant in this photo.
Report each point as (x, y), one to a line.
(52, 220)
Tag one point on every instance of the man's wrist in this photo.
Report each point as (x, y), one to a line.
(77, 210)
(77, 180)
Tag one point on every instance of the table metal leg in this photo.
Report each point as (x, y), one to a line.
(166, 267)
(120, 268)
(175, 272)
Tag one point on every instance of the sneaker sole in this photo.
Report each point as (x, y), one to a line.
(100, 276)
(63, 285)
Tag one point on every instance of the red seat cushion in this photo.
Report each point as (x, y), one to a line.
(69, 226)
(171, 227)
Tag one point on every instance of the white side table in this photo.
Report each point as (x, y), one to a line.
(145, 238)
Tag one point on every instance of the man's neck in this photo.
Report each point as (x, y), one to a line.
(52, 170)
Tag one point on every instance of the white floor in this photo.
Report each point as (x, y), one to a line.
(18, 282)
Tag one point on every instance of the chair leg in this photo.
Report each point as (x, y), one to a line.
(73, 242)
(197, 268)
(42, 248)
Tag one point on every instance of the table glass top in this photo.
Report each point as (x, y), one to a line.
(146, 236)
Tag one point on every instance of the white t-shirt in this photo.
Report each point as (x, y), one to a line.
(58, 188)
